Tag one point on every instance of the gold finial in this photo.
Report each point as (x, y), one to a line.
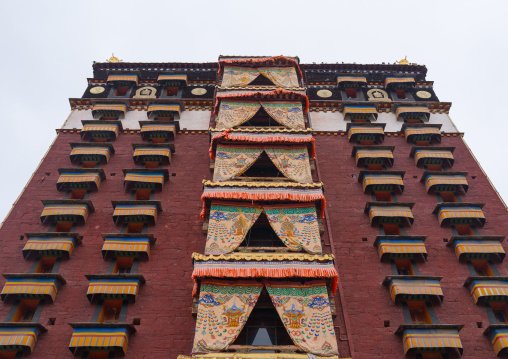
(403, 61)
(113, 58)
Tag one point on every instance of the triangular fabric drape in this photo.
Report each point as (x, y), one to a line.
(292, 161)
(238, 76)
(281, 76)
(231, 161)
(228, 226)
(224, 307)
(234, 113)
(305, 312)
(289, 114)
(296, 225)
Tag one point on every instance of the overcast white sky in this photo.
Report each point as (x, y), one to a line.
(47, 49)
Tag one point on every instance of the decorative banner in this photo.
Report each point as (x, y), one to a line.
(305, 312)
(238, 76)
(292, 161)
(234, 113)
(223, 309)
(228, 226)
(431, 339)
(232, 161)
(288, 114)
(296, 225)
(281, 76)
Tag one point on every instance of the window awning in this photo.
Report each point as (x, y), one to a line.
(436, 181)
(172, 79)
(415, 133)
(490, 290)
(413, 112)
(91, 152)
(15, 338)
(417, 288)
(79, 180)
(89, 339)
(136, 211)
(152, 153)
(30, 288)
(460, 213)
(360, 112)
(478, 247)
(382, 181)
(418, 340)
(49, 244)
(263, 136)
(107, 131)
(127, 245)
(153, 131)
(389, 212)
(145, 178)
(264, 265)
(373, 155)
(114, 288)
(426, 156)
(123, 79)
(499, 339)
(66, 212)
(171, 111)
(263, 191)
(345, 81)
(109, 111)
(399, 82)
(401, 247)
(359, 132)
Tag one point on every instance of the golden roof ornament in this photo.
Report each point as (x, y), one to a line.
(403, 61)
(113, 58)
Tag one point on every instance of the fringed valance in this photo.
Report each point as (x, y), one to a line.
(260, 62)
(278, 94)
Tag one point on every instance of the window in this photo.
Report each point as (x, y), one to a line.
(500, 311)
(262, 235)
(89, 164)
(77, 194)
(435, 167)
(123, 265)
(8, 355)
(383, 196)
(431, 356)
(64, 227)
(151, 164)
(483, 268)
(121, 91)
(351, 92)
(99, 355)
(419, 313)
(264, 326)
(374, 167)
(464, 230)
(418, 142)
(448, 196)
(401, 94)
(404, 267)
(25, 311)
(171, 91)
(142, 194)
(110, 312)
(45, 265)
(391, 229)
(135, 227)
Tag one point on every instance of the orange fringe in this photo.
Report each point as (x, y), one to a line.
(263, 197)
(281, 138)
(264, 273)
(279, 91)
(253, 61)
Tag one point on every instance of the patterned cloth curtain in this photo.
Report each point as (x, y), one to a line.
(224, 307)
(281, 76)
(233, 113)
(305, 312)
(296, 225)
(288, 114)
(239, 76)
(292, 161)
(228, 226)
(232, 161)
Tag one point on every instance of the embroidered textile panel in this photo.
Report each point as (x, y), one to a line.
(296, 226)
(223, 309)
(293, 162)
(305, 312)
(233, 113)
(281, 76)
(231, 161)
(228, 226)
(238, 76)
(289, 114)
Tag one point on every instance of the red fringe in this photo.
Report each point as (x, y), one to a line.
(279, 91)
(264, 272)
(280, 138)
(251, 60)
(263, 197)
